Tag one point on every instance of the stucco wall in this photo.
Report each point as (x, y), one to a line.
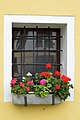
(66, 110)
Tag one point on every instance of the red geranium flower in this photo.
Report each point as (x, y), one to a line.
(57, 87)
(57, 73)
(48, 65)
(30, 82)
(21, 84)
(42, 74)
(69, 79)
(28, 88)
(65, 78)
(45, 74)
(13, 81)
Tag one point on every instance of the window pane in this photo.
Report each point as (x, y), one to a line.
(19, 78)
(27, 57)
(29, 33)
(26, 69)
(53, 33)
(46, 43)
(41, 57)
(17, 44)
(27, 44)
(53, 57)
(27, 41)
(17, 57)
(38, 44)
(54, 68)
(52, 44)
(17, 32)
(41, 68)
(17, 39)
(17, 70)
(38, 41)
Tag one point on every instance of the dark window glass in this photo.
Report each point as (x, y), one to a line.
(32, 48)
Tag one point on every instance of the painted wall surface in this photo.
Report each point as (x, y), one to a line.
(66, 110)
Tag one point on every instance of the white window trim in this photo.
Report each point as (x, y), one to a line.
(9, 19)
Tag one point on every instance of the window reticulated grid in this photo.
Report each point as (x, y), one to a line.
(32, 48)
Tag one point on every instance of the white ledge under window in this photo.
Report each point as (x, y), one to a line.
(65, 23)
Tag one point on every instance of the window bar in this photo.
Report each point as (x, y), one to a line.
(53, 37)
(49, 42)
(33, 53)
(25, 39)
(58, 47)
(39, 50)
(37, 64)
(22, 56)
(44, 47)
(37, 46)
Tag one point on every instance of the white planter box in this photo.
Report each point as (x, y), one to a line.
(33, 99)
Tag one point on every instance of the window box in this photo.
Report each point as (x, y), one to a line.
(33, 99)
(47, 88)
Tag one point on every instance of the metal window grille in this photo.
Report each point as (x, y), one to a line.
(32, 48)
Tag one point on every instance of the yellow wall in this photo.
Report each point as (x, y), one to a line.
(66, 110)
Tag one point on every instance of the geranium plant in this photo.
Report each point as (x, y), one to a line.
(45, 83)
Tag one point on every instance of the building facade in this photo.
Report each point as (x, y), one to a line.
(63, 15)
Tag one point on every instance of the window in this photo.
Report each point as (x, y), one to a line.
(32, 48)
(66, 26)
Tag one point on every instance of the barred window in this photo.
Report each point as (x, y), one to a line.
(32, 48)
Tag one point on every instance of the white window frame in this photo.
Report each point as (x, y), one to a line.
(64, 20)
